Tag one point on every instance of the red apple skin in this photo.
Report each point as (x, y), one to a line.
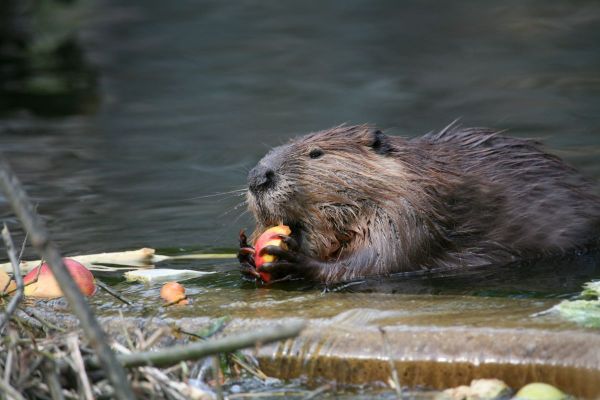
(270, 237)
(46, 286)
(173, 292)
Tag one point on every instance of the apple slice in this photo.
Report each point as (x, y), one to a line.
(46, 286)
(269, 238)
(173, 293)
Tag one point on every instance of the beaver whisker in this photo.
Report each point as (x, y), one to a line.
(236, 192)
(234, 208)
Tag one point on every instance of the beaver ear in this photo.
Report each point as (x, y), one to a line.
(381, 143)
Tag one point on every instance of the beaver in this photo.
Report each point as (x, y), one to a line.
(362, 203)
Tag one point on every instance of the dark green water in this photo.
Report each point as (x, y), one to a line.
(172, 101)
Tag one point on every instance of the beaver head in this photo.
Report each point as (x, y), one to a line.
(332, 188)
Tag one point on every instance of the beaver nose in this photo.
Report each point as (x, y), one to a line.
(261, 177)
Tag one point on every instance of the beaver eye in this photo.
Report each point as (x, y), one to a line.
(316, 153)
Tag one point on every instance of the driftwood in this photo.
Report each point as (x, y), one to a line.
(130, 259)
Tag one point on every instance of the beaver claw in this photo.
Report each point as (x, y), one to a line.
(248, 272)
(246, 258)
(289, 261)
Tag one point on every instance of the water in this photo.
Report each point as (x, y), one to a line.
(193, 94)
(183, 98)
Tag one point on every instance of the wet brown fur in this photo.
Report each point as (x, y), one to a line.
(374, 204)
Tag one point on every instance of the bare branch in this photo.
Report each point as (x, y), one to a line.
(10, 392)
(18, 296)
(193, 351)
(40, 239)
(113, 293)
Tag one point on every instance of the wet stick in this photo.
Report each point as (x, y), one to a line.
(176, 390)
(172, 355)
(113, 293)
(38, 234)
(218, 376)
(9, 391)
(318, 392)
(18, 296)
(134, 259)
(85, 388)
(52, 380)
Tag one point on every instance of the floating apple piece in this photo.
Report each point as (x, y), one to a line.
(270, 237)
(47, 287)
(4, 281)
(173, 293)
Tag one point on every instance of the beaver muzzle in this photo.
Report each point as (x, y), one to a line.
(261, 178)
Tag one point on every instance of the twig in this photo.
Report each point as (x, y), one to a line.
(113, 292)
(25, 320)
(52, 380)
(318, 391)
(216, 369)
(172, 355)
(159, 333)
(250, 369)
(38, 233)
(31, 282)
(126, 333)
(10, 356)
(18, 296)
(10, 391)
(174, 389)
(176, 301)
(24, 245)
(26, 377)
(32, 313)
(84, 383)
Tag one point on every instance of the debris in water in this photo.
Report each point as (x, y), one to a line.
(480, 389)
(174, 293)
(163, 275)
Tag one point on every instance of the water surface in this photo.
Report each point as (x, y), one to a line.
(178, 100)
(192, 94)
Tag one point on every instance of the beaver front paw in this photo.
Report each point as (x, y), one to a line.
(289, 261)
(246, 258)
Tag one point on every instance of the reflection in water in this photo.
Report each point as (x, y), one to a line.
(42, 65)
